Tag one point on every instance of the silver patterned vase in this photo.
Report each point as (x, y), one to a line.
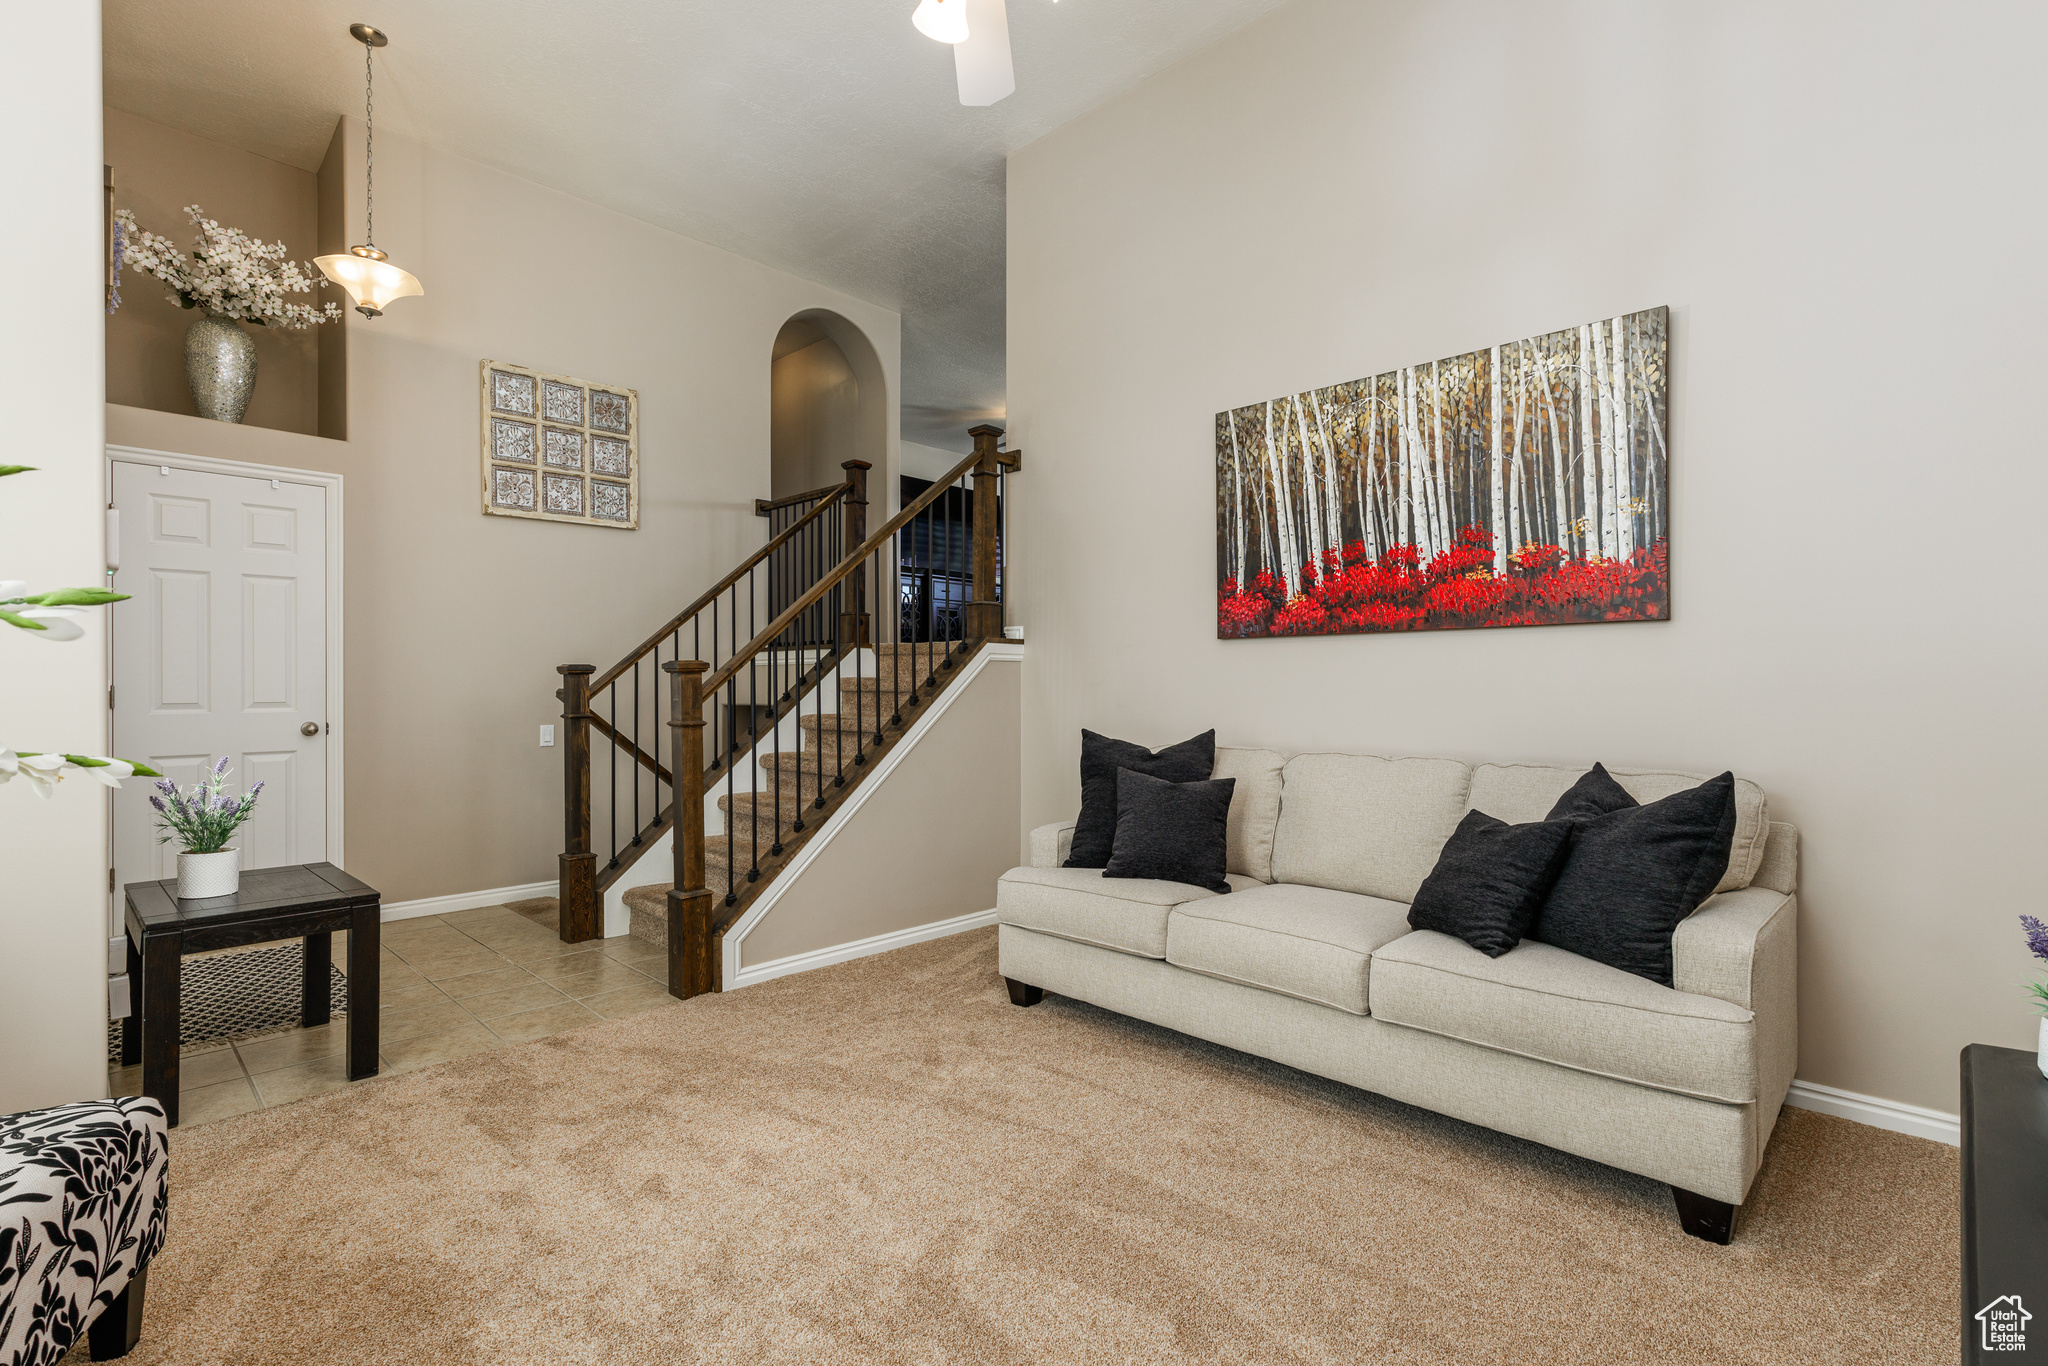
(220, 365)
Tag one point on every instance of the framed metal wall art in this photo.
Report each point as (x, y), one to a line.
(559, 449)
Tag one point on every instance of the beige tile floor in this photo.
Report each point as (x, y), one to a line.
(452, 985)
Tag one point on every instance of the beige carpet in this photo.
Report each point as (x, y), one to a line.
(886, 1162)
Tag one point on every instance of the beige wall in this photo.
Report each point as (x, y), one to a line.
(1835, 206)
(455, 621)
(814, 426)
(928, 844)
(53, 894)
(157, 172)
(929, 462)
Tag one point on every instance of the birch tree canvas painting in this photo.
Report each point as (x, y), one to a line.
(1522, 485)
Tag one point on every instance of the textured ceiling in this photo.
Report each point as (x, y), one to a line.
(823, 137)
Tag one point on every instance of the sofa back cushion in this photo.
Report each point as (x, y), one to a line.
(1517, 793)
(1368, 825)
(1254, 808)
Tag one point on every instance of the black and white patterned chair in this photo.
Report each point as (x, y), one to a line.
(83, 1193)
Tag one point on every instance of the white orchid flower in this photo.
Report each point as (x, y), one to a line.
(109, 772)
(43, 771)
(59, 623)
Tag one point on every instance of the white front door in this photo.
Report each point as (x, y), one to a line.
(221, 649)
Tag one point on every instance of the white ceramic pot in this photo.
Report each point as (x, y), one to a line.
(204, 875)
(2041, 1052)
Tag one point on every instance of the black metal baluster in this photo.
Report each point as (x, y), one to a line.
(717, 749)
(634, 767)
(731, 863)
(860, 692)
(612, 804)
(753, 745)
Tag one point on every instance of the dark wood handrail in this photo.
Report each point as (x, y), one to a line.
(764, 506)
(613, 674)
(1009, 460)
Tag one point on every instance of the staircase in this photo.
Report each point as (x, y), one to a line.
(799, 789)
(772, 696)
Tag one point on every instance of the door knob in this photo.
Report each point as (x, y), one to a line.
(310, 728)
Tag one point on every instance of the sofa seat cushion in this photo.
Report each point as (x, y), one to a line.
(1308, 942)
(1542, 1002)
(1125, 914)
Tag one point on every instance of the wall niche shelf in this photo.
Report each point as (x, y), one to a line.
(155, 171)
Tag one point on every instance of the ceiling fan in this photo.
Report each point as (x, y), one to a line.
(979, 31)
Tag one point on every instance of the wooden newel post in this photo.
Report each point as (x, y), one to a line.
(853, 615)
(577, 889)
(985, 609)
(693, 967)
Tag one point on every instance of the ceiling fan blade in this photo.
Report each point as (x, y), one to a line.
(982, 63)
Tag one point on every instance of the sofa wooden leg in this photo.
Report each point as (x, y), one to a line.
(1022, 995)
(1713, 1220)
(115, 1332)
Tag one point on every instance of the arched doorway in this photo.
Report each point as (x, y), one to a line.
(829, 402)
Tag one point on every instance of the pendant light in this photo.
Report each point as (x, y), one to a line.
(943, 21)
(365, 272)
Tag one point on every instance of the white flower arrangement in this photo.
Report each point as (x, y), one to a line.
(230, 275)
(52, 616)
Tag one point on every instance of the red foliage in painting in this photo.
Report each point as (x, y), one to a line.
(1351, 591)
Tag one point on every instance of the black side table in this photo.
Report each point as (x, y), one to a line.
(311, 900)
(2005, 1202)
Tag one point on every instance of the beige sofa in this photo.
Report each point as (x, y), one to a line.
(1310, 961)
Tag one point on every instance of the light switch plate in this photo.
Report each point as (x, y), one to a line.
(547, 737)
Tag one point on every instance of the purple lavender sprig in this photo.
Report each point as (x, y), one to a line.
(203, 817)
(2037, 944)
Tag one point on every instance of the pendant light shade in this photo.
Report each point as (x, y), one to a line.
(943, 21)
(370, 279)
(365, 272)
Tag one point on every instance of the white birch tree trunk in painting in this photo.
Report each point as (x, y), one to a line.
(1436, 457)
(1603, 402)
(1498, 507)
(1289, 568)
(1589, 467)
(1310, 532)
(1397, 461)
(1368, 485)
(1518, 512)
(1624, 446)
(1237, 503)
(1562, 520)
(1333, 485)
(1425, 456)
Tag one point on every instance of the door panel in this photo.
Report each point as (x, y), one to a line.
(178, 636)
(221, 650)
(269, 647)
(270, 839)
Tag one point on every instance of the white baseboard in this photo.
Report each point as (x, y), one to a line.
(859, 948)
(463, 901)
(1877, 1112)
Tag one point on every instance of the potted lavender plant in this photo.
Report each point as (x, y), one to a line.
(201, 819)
(2037, 942)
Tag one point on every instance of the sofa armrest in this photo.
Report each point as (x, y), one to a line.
(1050, 844)
(1717, 949)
